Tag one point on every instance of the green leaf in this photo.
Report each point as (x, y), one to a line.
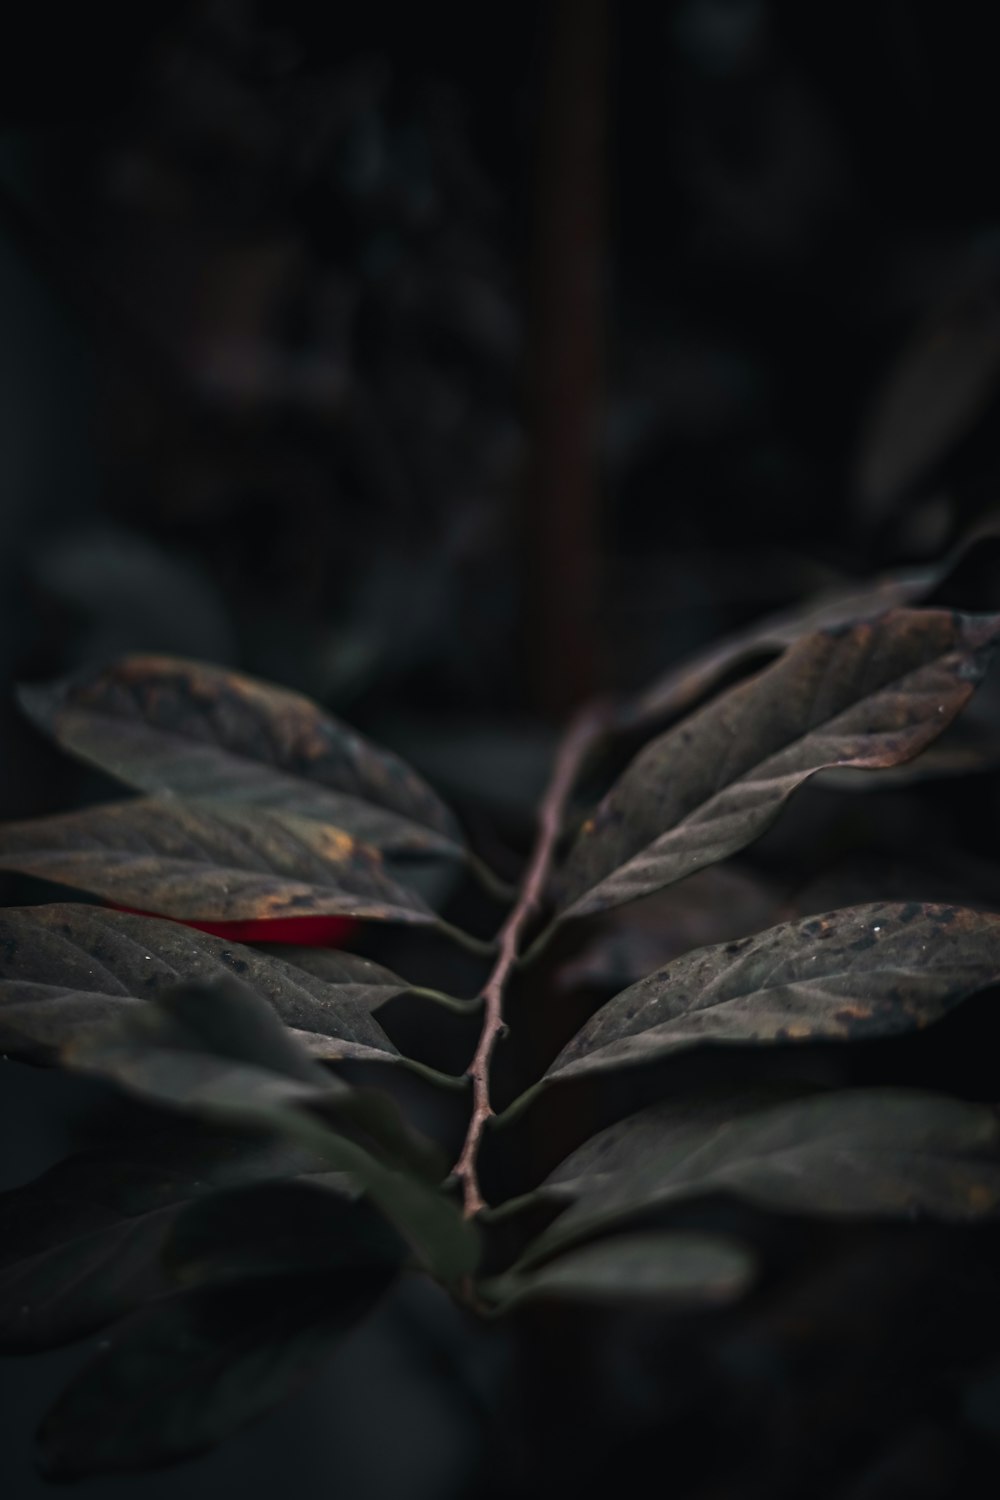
(66, 968)
(164, 725)
(865, 971)
(83, 1244)
(194, 1368)
(276, 1229)
(685, 1271)
(198, 863)
(356, 979)
(865, 1153)
(220, 1053)
(871, 695)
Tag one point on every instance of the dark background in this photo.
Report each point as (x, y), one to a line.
(450, 362)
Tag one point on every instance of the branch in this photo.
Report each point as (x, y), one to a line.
(578, 739)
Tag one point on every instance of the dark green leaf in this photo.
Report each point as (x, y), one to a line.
(219, 1052)
(210, 864)
(83, 1244)
(191, 1369)
(356, 979)
(871, 695)
(877, 1153)
(165, 725)
(865, 971)
(278, 1228)
(681, 1269)
(64, 969)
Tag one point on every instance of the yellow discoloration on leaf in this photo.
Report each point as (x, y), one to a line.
(335, 844)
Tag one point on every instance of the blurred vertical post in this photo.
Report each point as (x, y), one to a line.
(565, 350)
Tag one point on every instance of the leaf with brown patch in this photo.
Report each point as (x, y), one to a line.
(871, 695)
(65, 969)
(212, 864)
(680, 688)
(864, 971)
(169, 726)
(860, 1153)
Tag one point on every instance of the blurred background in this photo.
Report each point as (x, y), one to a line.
(452, 363)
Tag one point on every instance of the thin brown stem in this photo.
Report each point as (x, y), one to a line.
(572, 752)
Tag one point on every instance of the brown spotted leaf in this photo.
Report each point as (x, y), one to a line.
(65, 969)
(169, 726)
(868, 1153)
(682, 686)
(871, 695)
(210, 864)
(865, 971)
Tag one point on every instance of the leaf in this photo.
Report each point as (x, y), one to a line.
(870, 695)
(83, 1244)
(66, 968)
(278, 1228)
(683, 685)
(165, 725)
(685, 1271)
(718, 904)
(864, 971)
(358, 980)
(197, 863)
(220, 1053)
(863, 1153)
(191, 1369)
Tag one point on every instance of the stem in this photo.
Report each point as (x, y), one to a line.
(491, 882)
(448, 1002)
(456, 1083)
(482, 947)
(579, 737)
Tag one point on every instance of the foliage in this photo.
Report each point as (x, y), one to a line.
(295, 1173)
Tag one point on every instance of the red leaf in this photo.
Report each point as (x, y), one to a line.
(307, 932)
